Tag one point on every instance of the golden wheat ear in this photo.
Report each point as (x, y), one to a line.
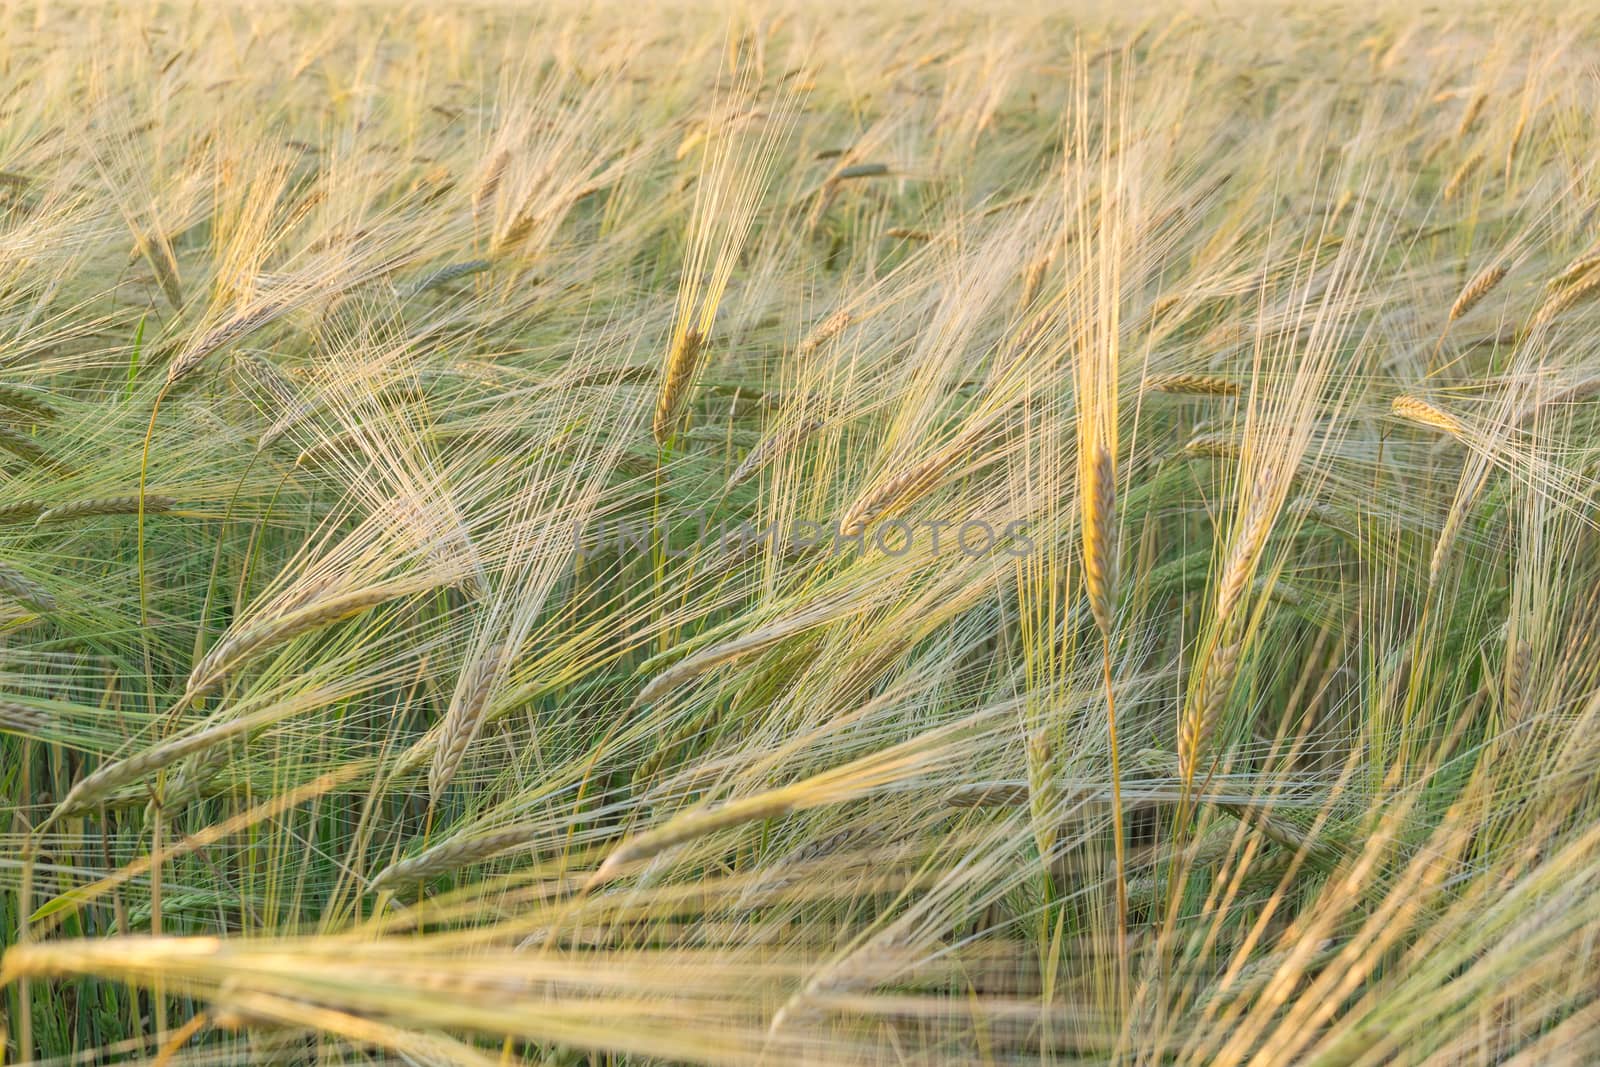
(682, 363)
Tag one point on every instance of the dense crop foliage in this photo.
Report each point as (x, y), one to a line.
(792, 534)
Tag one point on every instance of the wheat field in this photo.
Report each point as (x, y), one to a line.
(785, 533)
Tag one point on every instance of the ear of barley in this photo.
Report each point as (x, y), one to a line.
(447, 274)
(1458, 179)
(24, 447)
(1517, 133)
(910, 483)
(860, 170)
(1415, 409)
(1099, 502)
(158, 253)
(1033, 279)
(18, 586)
(28, 402)
(1208, 695)
(989, 795)
(20, 719)
(1468, 117)
(1578, 390)
(190, 780)
(682, 363)
(1044, 796)
(1214, 445)
(87, 794)
(1471, 482)
(1281, 832)
(1245, 551)
(1574, 270)
(238, 325)
(1201, 384)
(869, 963)
(726, 652)
(514, 234)
(1519, 675)
(691, 728)
(691, 825)
(154, 504)
(465, 717)
(490, 180)
(22, 511)
(1579, 289)
(1476, 289)
(245, 642)
(452, 854)
(826, 330)
(770, 447)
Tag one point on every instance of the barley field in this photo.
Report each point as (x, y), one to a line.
(784, 533)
